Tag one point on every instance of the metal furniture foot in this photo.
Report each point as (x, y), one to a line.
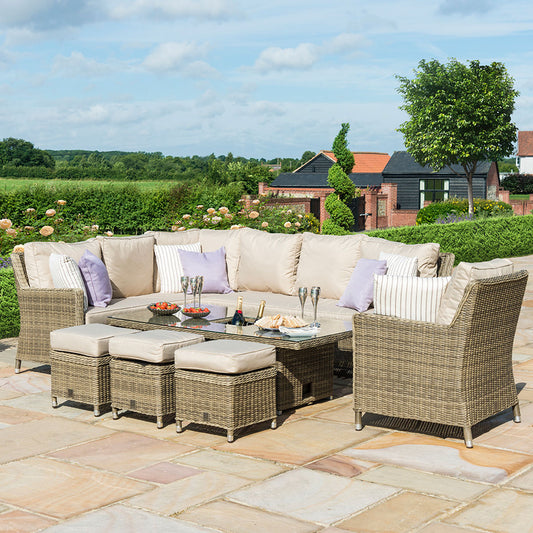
(96, 411)
(468, 436)
(274, 424)
(279, 412)
(516, 414)
(230, 435)
(358, 420)
(179, 426)
(115, 413)
(17, 365)
(54, 402)
(159, 419)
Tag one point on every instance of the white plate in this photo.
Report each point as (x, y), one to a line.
(305, 331)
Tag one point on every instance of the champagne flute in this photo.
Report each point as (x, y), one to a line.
(302, 294)
(184, 287)
(199, 287)
(315, 294)
(194, 287)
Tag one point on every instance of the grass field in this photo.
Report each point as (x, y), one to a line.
(7, 184)
(519, 196)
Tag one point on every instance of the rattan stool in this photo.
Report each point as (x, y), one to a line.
(226, 383)
(142, 372)
(79, 363)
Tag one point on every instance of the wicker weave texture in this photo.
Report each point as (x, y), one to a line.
(456, 375)
(81, 378)
(228, 401)
(146, 388)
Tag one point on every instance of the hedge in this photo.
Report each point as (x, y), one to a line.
(9, 306)
(472, 240)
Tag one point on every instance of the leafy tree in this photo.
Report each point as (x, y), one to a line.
(18, 153)
(306, 156)
(341, 217)
(458, 115)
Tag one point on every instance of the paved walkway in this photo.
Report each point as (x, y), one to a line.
(65, 471)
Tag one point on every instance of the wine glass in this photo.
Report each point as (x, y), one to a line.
(184, 287)
(315, 294)
(199, 287)
(302, 294)
(194, 287)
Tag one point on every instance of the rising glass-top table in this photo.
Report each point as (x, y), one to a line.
(304, 364)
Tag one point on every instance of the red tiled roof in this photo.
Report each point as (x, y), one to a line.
(525, 143)
(365, 162)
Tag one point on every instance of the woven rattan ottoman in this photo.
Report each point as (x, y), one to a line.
(79, 363)
(226, 383)
(142, 371)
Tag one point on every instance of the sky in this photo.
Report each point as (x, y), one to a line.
(253, 77)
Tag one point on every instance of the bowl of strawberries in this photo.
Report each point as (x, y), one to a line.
(195, 312)
(163, 308)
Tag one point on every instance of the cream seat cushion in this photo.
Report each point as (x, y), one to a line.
(268, 261)
(37, 254)
(226, 356)
(152, 346)
(462, 275)
(130, 264)
(327, 261)
(427, 253)
(88, 339)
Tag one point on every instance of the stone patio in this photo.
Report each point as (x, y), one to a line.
(62, 470)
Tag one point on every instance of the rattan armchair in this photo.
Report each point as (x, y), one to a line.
(42, 311)
(457, 374)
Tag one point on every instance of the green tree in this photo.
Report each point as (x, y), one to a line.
(18, 153)
(458, 115)
(341, 217)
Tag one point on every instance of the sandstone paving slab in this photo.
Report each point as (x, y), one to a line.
(23, 522)
(122, 452)
(26, 383)
(519, 357)
(45, 435)
(300, 441)
(313, 496)
(525, 395)
(230, 516)
(440, 456)
(341, 465)
(11, 415)
(62, 490)
(523, 481)
(324, 406)
(431, 484)
(244, 467)
(122, 519)
(194, 490)
(501, 511)
(400, 514)
(164, 472)
(440, 527)
(343, 413)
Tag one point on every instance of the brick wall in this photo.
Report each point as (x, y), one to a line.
(520, 207)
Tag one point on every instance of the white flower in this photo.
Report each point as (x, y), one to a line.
(287, 224)
(5, 223)
(50, 212)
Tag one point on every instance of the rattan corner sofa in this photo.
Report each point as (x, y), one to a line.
(260, 266)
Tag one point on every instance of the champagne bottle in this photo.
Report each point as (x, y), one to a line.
(238, 318)
(260, 311)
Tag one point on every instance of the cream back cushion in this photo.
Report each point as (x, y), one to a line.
(462, 275)
(169, 264)
(175, 237)
(66, 274)
(409, 297)
(37, 254)
(211, 240)
(268, 261)
(400, 265)
(327, 261)
(130, 264)
(427, 254)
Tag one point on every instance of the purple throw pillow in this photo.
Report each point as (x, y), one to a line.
(210, 265)
(359, 293)
(96, 279)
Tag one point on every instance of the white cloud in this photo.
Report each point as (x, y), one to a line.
(203, 9)
(78, 65)
(346, 43)
(172, 56)
(304, 56)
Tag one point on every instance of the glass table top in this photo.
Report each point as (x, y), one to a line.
(217, 322)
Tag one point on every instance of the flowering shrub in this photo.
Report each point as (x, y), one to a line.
(257, 215)
(459, 208)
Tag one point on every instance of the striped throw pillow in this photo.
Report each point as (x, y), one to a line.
(169, 264)
(400, 265)
(409, 297)
(66, 274)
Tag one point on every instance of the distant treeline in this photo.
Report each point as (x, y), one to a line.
(20, 159)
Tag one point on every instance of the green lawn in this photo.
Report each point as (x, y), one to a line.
(519, 196)
(8, 184)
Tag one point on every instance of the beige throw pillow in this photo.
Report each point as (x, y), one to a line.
(327, 261)
(130, 264)
(268, 261)
(37, 254)
(427, 254)
(462, 275)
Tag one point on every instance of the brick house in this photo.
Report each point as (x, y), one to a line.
(524, 156)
